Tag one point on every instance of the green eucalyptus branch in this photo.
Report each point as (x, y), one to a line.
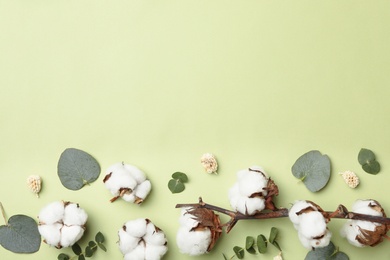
(3, 213)
(340, 213)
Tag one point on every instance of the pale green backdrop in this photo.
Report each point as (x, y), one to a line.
(158, 83)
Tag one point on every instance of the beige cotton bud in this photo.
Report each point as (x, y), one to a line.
(350, 178)
(209, 163)
(279, 256)
(34, 183)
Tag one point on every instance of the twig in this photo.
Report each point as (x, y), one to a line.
(340, 213)
(3, 213)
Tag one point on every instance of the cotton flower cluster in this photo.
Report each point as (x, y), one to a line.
(308, 219)
(128, 182)
(365, 233)
(249, 194)
(350, 178)
(209, 163)
(62, 224)
(140, 239)
(198, 232)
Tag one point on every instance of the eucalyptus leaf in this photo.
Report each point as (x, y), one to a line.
(99, 238)
(239, 251)
(276, 244)
(20, 235)
(180, 176)
(313, 169)
(261, 244)
(88, 251)
(76, 249)
(365, 156)
(175, 186)
(63, 256)
(102, 247)
(249, 245)
(76, 168)
(81, 257)
(329, 252)
(372, 167)
(273, 234)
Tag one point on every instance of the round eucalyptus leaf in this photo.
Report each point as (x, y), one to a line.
(372, 167)
(77, 168)
(313, 169)
(63, 256)
(239, 251)
(99, 238)
(20, 235)
(77, 249)
(261, 244)
(250, 245)
(273, 234)
(175, 186)
(321, 253)
(365, 156)
(180, 176)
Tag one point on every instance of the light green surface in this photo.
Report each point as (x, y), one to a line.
(158, 83)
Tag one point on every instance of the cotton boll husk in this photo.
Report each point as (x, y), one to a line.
(252, 182)
(193, 242)
(143, 189)
(70, 235)
(154, 252)
(187, 219)
(74, 215)
(52, 213)
(312, 224)
(297, 207)
(127, 242)
(136, 173)
(153, 236)
(137, 253)
(137, 227)
(51, 233)
(362, 207)
(120, 179)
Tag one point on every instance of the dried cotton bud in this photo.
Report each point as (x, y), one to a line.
(61, 224)
(128, 182)
(310, 222)
(199, 231)
(141, 239)
(365, 233)
(279, 256)
(34, 183)
(209, 163)
(350, 178)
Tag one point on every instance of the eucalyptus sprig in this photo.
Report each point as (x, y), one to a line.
(90, 249)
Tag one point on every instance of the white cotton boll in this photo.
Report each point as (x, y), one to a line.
(74, 215)
(252, 182)
(362, 207)
(253, 205)
(323, 241)
(186, 219)
(297, 207)
(136, 173)
(51, 233)
(350, 231)
(193, 242)
(312, 224)
(143, 189)
(70, 235)
(127, 242)
(154, 252)
(52, 213)
(129, 197)
(137, 253)
(136, 228)
(305, 241)
(120, 179)
(241, 205)
(154, 236)
(115, 167)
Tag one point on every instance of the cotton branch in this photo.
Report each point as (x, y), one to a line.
(340, 213)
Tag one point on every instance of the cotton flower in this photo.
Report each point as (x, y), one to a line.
(252, 192)
(128, 182)
(209, 163)
(365, 233)
(350, 178)
(198, 232)
(140, 239)
(62, 224)
(309, 220)
(34, 183)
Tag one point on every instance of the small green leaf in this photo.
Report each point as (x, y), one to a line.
(365, 155)
(20, 235)
(372, 167)
(313, 169)
(180, 176)
(249, 245)
(273, 234)
(81, 257)
(89, 251)
(76, 168)
(63, 256)
(224, 257)
(276, 244)
(329, 252)
(99, 238)
(261, 244)
(102, 247)
(175, 186)
(239, 251)
(76, 249)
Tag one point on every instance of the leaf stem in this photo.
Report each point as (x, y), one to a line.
(3, 213)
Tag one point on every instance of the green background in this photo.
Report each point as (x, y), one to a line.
(158, 83)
